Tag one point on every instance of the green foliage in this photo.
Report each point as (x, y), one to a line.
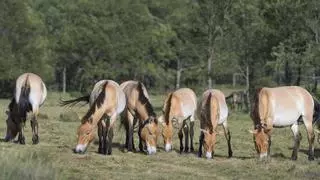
(151, 40)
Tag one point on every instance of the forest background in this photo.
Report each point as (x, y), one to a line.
(165, 44)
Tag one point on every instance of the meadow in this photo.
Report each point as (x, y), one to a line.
(53, 157)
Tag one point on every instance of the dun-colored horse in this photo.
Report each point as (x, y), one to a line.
(139, 109)
(213, 111)
(107, 101)
(179, 108)
(280, 107)
(30, 93)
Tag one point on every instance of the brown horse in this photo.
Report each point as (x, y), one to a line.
(179, 107)
(213, 111)
(107, 101)
(280, 107)
(139, 109)
(30, 93)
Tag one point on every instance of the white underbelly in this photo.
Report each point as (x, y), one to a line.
(285, 118)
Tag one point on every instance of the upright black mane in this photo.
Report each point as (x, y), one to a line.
(97, 103)
(167, 108)
(144, 100)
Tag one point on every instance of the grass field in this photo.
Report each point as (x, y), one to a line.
(53, 158)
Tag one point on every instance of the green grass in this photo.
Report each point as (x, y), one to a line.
(53, 158)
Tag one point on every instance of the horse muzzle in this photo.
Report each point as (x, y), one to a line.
(151, 150)
(168, 147)
(80, 148)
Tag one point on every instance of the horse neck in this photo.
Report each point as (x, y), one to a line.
(144, 112)
(97, 115)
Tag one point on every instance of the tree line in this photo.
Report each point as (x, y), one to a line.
(165, 44)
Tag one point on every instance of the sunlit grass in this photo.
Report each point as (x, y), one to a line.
(53, 158)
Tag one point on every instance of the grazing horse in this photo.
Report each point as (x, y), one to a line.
(106, 101)
(179, 108)
(30, 93)
(139, 108)
(280, 107)
(212, 111)
(237, 100)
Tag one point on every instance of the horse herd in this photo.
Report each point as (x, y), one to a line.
(273, 107)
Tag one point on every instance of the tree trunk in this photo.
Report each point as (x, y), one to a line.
(299, 73)
(248, 89)
(64, 80)
(315, 81)
(210, 59)
(287, 73)
(178, 78)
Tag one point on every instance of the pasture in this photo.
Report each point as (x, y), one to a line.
(53, 157)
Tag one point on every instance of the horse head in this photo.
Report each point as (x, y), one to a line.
(149, 134)
(261, 139)
(85, 136)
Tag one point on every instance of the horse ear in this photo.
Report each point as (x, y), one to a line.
(253, 131)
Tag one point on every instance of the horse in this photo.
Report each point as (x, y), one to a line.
(179, 108)
(106, 101)
(30, 93)
(139, 109)
(237, 100)
(212, 111)
(281, 107)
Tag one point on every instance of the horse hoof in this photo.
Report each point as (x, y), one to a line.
(22, 141)
(191, 149)
(35, 140)
(311, 158)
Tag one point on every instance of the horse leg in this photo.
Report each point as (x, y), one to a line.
(140, 139)
(191, 135)
(109, 134)
(200, 144)
(129, 131)
(21, 137)
(227, 134)
(100, 134)
(180, 134)
(311, 136)
(297, 138)
(110, 137)
(186, 134)
(34, 126)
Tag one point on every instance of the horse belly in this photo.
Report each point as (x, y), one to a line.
(285, 118)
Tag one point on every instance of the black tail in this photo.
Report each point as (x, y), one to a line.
(24, 105)
(74, 102)
(316, 111)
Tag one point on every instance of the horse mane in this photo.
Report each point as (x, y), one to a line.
(208, 113)
(255, 109)
(167, 108)
(97, 103)
(144, 100)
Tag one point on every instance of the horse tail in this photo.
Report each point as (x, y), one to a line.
(316, 110)
(73, 102)
(167, 108)
(24, 105)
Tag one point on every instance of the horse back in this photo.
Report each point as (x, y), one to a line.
(31, 86)
(284, 105)
(185, 101)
